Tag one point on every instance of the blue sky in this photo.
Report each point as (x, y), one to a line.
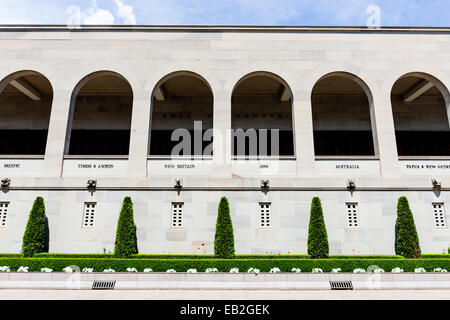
(227, 12)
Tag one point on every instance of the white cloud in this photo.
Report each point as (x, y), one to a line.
(98, 16)
(94, 15)
(125, 12)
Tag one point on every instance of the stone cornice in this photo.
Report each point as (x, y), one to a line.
(221, 28)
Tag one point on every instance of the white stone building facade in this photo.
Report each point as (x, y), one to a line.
(356, 94)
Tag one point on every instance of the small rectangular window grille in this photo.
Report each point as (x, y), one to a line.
(352, 215)
(89, 213)
(341, 285)
(103, 285)
(439, 216)
(177, 214)
(3, 213)
(264, 212)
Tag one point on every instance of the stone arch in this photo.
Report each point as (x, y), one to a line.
(181, 100)
(420, 106)
(193, 68)
(332, 136)
(261, 67)
(28, 94)
(262, 102)
(97, 139)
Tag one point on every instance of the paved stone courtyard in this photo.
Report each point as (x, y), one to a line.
(224, 295)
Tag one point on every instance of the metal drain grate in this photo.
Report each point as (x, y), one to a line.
(103, 285)
(341, 285)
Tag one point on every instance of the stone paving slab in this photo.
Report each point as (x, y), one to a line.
(230, 295)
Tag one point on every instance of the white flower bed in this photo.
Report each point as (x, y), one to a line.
(359, 270)
(68, 270)
(233, 270)
(23, 269)
(253, 270)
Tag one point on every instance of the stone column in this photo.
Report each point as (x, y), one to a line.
(140, 134)
(57, 133)
(222, 135)
(384, 134)
(303, 136)
(447, 104)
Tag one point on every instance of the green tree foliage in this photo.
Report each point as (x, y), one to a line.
(406, 238)
(35, 238)
(126, 240)
(224, 238)
(317, 233)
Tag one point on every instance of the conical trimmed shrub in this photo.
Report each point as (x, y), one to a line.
(406, 238)
(35, 238)
(317, 232)
(224, 238)
(126, 241)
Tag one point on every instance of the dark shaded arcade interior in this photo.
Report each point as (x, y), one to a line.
(420, 118)
(341, 118)
(178, 101)
(25, 107)
(102, 117)
(262, 102)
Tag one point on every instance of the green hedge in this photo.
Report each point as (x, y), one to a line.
(10, 255)
(357, 257)
(436, 256)
(75, 255)
(224, 265)
(187, 256)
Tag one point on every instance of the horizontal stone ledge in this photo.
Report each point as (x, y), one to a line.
(225, 281)
(125, 188)
(230, 28)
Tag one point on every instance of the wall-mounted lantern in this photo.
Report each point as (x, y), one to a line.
(5, 183)
(265, 185)
(178, 185)
(92, 184)
(436, 185)
(351, 185)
